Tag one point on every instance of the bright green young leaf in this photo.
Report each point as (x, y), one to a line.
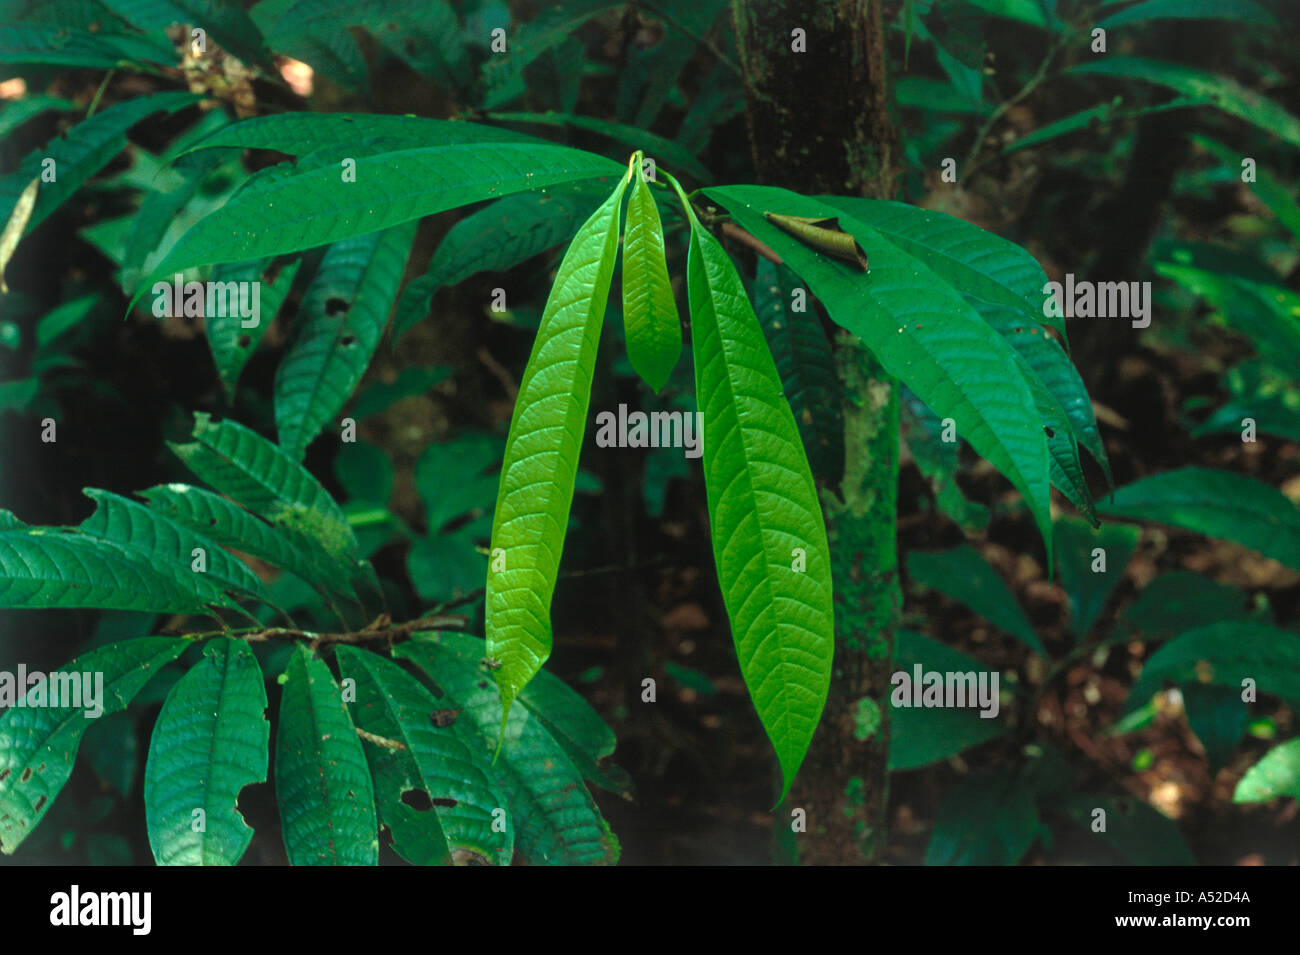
(554, 817)
(1227, 94)
(322, 782)
(1276, 774)
(653, 330)
(51, 567)
(965, 576)
(541, 456)
(769, 537)
(339, 325)
(294, 207)
(39, 743)
(210, 741)
(1225, 654)
(449, 782)
(921, 330)
(919, 736)
(1218, 504)
(496, 238)
(231, 343)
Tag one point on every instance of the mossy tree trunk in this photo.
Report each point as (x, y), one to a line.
(819, 122)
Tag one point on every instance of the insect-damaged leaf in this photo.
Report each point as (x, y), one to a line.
(769, 537)
(541, 458)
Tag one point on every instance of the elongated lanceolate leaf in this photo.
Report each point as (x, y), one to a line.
(210, 742)
(39, 743)
(654, 333)
(541, 457)
(1225, 654)
(769, 536)
(1277, 774)
(231, 338)
(322, 782)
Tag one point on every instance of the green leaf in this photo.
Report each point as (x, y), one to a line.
(554, 817)
(254, 472)
(168, 547)
(210, 741)
(1227, 94)
(50, 567)
(1277, 774)
(663, 149)
(322, 782)
(1088, 587)
(1271, 191)
(225, 21)
(807, 368)
(413, 380)
(496, 238)
(232, 343)
(652, 328)
(229, 524)
(29, 107)
(720, 99)
(1225, 654)
(938, 461)
(341, 320)
(39, 743)
(1176, 602)
(86, 149)
(1024, 11)
(764, 515)
(650, 75)
(965, 576)
(541, 455)
(1268, 314)
(548, 29)
(454, 778)
(990, 819)
(50, 44)
(1089, 119)
(1218, 504)
(1243, 10)
(1137, 833)
(923, 333)
(919, 736)
(287, 209)
(1218, 716)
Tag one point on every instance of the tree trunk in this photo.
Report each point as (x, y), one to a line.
(819, 122)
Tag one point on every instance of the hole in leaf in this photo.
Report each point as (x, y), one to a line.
(417, 799)
(4, 774)
(445, 803)
(347, 340)
(245, 341)
(39, 803)
(1049, 431)
(335, 306)
(27, 774)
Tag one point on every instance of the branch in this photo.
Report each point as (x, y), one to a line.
(733, 231)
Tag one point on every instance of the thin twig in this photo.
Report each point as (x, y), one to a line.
(733, 231)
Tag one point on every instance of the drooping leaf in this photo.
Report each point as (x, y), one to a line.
(1276, 774)
(210, 741)
(965, 576)
(39, 743)
(919, 736)
(652, 328)
(322, 782)
(1225, 654)
(1218, 504)
(541, 455)
(555, 819)
(922, 332)
(340, 322)
(769, 536)
(456, 813)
